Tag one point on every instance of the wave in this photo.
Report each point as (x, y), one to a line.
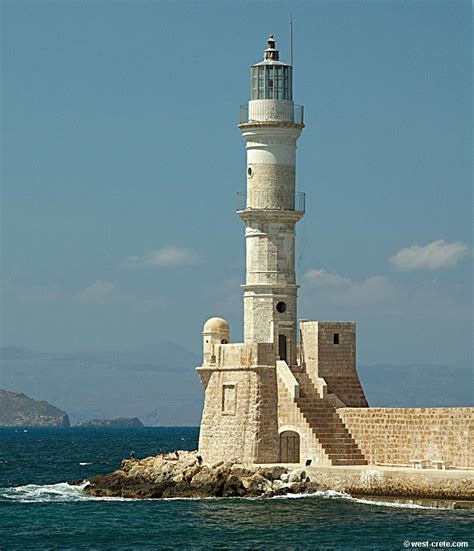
(84, 463)
(63, 492)
(333, 494)
(51, 493)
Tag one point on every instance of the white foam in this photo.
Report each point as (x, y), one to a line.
(333, 494)
(84, 463)
(47, 493)
(64, 492)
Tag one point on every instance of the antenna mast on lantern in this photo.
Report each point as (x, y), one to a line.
(291, 39)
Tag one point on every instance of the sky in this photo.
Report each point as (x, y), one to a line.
(121, 160)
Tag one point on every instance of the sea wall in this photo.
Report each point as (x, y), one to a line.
(396, 436)
(387, 481)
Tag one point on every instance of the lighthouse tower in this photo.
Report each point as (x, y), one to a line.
(270, 208)
(271, 399)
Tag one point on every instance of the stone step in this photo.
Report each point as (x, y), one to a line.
(344, 455)
(342, 462)
(332, 454)
(341, 447)
(326, 425)
(334, 441)
(328, 428)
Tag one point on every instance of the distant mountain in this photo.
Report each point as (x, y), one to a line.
(160, 386)
(119, 423)
(18, 410)
(417, 385)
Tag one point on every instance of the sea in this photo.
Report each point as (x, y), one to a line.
(40, 510)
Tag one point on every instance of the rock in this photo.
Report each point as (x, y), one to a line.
(166, 477)
(18, 410)
(280, 488)
(256, 485)
(285, 477)
(273, 472)
(203, 476)
(240, 471)
(119, 422)
(297, 487)
(296, 475)
(233, 487)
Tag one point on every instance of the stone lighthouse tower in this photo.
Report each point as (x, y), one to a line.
(271, 398)
(270, 208)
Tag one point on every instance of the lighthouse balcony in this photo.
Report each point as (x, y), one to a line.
(271, 112)
(271, 201)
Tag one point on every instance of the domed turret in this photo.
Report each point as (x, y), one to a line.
(215, 331)
(216, 325)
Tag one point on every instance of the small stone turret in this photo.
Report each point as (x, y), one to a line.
(215, 331)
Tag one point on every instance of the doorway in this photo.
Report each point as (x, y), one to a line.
(282, 349)
(289, 447)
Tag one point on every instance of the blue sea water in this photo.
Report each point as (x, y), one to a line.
(39, 510)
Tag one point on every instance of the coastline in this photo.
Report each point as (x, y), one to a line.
(166, 476)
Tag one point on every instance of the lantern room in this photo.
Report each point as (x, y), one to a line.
(271, 79)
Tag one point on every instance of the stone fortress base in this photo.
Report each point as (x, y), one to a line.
(260, 411)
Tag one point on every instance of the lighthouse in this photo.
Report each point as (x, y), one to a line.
(274, 397)
(270, 207)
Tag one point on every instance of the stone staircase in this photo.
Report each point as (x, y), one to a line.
(326, 424)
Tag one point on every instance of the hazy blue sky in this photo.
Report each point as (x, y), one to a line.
(122, 158)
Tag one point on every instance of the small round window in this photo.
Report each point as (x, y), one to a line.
(224, 341)
(281, 307)
(249, 172)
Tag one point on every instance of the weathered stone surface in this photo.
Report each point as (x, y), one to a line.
(395, 436)
(256, 485)
(297, 475)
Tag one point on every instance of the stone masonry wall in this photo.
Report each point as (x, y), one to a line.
(394, 436)
(335, 363)
(239, 421)
(271, 186)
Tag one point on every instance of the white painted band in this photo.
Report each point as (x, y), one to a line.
(271, 155)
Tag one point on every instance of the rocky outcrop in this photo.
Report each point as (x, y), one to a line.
(183, 475)
(167, 476)
(18, 410)
(119, 422)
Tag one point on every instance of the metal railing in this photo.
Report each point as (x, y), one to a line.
(271, 200)
(272, 114)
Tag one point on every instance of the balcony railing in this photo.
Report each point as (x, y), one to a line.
(271, 200)
(272, 112)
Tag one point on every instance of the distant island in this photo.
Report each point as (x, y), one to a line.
(19, 410)
(119, 422)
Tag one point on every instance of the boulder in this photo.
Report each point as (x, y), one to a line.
(273, 472)
(256, 485)
(297, 475)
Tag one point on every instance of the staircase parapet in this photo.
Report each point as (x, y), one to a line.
(321, 387)
(285, 374)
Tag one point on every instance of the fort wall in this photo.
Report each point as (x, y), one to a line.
(396, 436)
